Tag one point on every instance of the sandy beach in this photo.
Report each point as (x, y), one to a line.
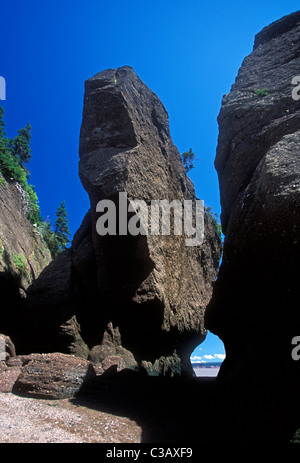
(206, 371)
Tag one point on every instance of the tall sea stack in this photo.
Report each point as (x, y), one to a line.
(148, 291)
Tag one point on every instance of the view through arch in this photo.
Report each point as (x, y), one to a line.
(207, 358)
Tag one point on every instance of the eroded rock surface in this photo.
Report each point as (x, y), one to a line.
(255, 305)
(53, 376)
(23, 254)
(10, 365)
(153, 289)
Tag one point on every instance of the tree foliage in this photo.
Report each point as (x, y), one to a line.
(2, 124)
(62, 231)
(49, 237)
(20, 145)
(215, 219)
(14, 154)
(58, 238)
(188, 158)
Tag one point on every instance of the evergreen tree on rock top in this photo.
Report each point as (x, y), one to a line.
(62, 231)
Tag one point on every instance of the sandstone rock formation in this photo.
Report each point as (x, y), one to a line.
(53, 376)
(9, 373)
(152, 289)
(10, 366)
(111, 351)
(23, 254)
(49, 376)
(255, 304)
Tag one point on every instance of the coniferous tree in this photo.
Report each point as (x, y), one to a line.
(3, 138)
(62, 232)
(20, 145)
(2, 123)
(49, 237)
(7, 162)
(14, 153)
(187, 158)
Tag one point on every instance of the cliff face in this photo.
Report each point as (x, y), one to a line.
(23, 254)
(255, 304)
(152, 289)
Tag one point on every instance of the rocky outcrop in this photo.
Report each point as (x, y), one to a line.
(9, 373)
(10, 365)
(22, 251)
(61, 376)
(111, 352)
(7, 347)
(255, 304)
(53, 376)
(164, 366)
(23, 254)
(153, 289)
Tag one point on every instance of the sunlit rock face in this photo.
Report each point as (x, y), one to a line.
(152, 289)
(255, 307)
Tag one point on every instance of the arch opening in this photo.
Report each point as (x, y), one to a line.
(208, 357)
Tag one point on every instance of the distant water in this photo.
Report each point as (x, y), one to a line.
(206, 371)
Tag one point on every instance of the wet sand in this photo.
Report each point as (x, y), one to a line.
(204, 371)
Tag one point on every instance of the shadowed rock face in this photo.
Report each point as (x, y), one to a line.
(153, 289)
(255, 304)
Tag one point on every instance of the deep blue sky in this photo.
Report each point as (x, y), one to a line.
(188, 52)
